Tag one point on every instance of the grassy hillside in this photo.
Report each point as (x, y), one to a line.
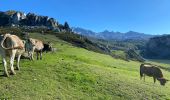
(74, 73)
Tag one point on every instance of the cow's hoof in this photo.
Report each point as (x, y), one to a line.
(18, 69)
(6, 74)
(12, 73)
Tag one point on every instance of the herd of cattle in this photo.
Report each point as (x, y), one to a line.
(13, 46)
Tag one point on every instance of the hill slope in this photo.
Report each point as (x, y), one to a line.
(76, 73)
(158, 47)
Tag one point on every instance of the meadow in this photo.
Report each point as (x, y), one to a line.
(73, 73)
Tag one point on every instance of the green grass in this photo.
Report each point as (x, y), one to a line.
(74, 73)
(119, 54)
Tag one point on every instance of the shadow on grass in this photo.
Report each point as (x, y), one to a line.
(2, 75)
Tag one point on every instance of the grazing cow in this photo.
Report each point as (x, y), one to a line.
(34, 45)
(47, 47)
(11, 45)
(152, 71)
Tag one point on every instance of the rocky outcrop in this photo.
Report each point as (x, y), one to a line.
(16, 18)
(133, 55)
(35, 20)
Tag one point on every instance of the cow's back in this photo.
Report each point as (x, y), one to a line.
(151, 70)
(36, 44)
(158, 72)
(11, 41)
(17, 41)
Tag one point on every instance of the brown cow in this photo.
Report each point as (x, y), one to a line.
(152, 71)
(34, 45)
(11, 45)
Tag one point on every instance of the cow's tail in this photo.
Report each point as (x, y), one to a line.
(10, 48)
(141, 70)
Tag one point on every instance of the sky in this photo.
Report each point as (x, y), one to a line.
(146, 16)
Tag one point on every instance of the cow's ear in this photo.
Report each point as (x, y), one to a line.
(167, 80)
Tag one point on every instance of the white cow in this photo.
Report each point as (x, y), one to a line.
(11, 45)
(34, 45)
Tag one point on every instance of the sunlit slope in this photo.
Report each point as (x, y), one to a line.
(73, 73)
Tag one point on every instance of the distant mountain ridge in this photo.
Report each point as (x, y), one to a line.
(110, 35)
(84, 32)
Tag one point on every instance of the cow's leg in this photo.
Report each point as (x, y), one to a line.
(154, 79)
(29, 55)
(18, 60)
(41, 55)
(141, 77)
(144, 77)
(5, 66)
(32, 53)
(12, 57)
(37, 55)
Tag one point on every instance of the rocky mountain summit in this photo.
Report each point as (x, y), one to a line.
(17, 18)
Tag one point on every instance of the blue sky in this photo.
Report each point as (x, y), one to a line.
(147, 16)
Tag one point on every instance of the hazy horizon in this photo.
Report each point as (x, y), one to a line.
(144, 16)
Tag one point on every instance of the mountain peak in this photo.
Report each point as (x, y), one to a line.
(111, 35)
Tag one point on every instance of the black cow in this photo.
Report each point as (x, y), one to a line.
(152, 71)
(47, 47)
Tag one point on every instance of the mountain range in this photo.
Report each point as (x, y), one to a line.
(111, 35)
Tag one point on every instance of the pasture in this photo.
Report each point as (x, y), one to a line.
(73, 73)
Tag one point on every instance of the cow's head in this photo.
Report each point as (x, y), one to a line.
(49, 46)
(162, 81)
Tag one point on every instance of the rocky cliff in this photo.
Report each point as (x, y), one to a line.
(17, 18)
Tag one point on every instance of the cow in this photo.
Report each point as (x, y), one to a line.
(11, 45)
(152, 71)
(34, 45)
(47, 47)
